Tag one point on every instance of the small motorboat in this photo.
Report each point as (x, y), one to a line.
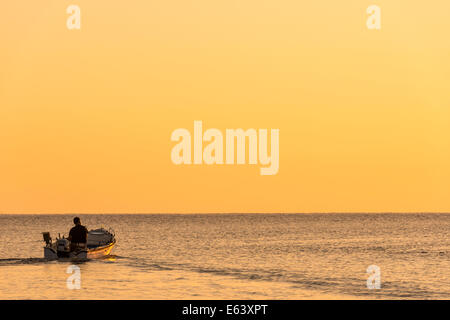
(100, 242)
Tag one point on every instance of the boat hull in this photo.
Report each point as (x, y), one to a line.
(91, 253)
(101, 251)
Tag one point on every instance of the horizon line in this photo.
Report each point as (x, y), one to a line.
(223, 213)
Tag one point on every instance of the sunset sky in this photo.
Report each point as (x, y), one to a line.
(86, 115)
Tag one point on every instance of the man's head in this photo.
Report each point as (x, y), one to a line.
(76, 220)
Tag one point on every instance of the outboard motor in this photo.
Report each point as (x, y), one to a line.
(63, 248)
(47, 238)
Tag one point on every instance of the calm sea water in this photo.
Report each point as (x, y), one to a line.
(239, 256)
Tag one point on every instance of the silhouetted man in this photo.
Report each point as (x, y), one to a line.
(77, 235)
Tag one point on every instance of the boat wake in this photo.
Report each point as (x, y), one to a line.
(19, 261)
(30, 261)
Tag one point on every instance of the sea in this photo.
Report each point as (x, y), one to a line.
(234, 256)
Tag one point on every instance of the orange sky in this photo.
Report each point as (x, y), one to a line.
(86, 115)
